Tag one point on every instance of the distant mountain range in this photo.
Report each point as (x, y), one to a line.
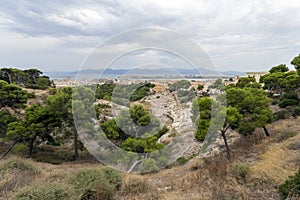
(114, 73)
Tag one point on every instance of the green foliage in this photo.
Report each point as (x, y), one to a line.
(200, 87)
(140, 93)
(104, 91)
(201, 111)
(12, 95)
(279, 68)
(137, 121)
(181, 160)
(88, 181)
(186, 95)
(112, 130)
(20, 148)
(290, 188)
(150, 165)
(253, 105)
(163, 131)
(121, 93)
(247, 82)
(5, 119)
(17, 129)
(296, 63)
(182, 84)
(139, 115)
(53, 154)
(288, 99)
(241, 170)
(141, 145)
(30, 78)
(46, 192)
(218, 84)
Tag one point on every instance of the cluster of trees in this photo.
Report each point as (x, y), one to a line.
(29, 78)
(51, 122)
(247, 104)
(134, 130)
(182, 84)
(284, 84)
(247, 109)
(11, 96)
(122, 94)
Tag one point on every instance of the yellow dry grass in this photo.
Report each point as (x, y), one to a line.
(276, 162)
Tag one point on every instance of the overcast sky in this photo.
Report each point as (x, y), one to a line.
(239, 35)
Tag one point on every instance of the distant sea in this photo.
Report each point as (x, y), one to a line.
(143, 73)
(61, 76)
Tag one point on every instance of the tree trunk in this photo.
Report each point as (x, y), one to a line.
(11, 147)
(31, 144)
(75, 145)
(9, 77)
(266, 131)
(226, 145)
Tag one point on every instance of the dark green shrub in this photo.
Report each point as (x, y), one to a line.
(93, 182)
(288, 99)
(114, 177)
(291, 187)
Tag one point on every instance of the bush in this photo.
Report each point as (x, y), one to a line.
(286, 134)
(95, 182)
(241, 170)
(53, 154)
(20, 148)
(18, 164)
(291, 187)
(282, 114)
(46, 192)
(114, 177)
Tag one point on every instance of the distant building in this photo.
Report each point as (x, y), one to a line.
(256, 75)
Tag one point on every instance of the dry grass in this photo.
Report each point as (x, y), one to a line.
(276, 161)
(271, 161)
(16, 173)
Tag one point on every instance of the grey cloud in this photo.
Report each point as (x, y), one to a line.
(235, 33)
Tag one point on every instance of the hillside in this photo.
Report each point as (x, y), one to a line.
(258, 167)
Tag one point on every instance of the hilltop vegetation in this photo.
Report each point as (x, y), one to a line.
(29, 78)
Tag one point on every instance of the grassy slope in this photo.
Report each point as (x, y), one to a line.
(271, 161)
